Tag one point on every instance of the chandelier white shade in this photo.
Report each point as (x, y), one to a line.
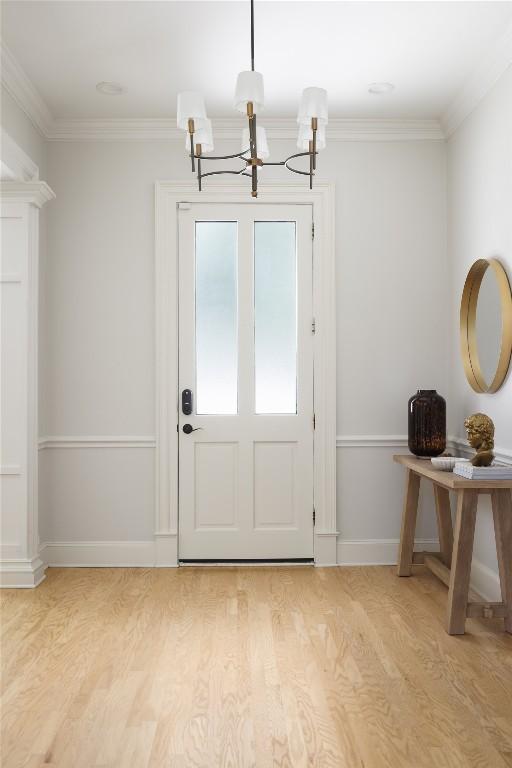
(261, 142)
(313, 104)
(306, 135)
(249, 99)
(249, 89)
(190, 107)
(203, 136)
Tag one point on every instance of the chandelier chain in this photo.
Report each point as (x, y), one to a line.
(252, 35)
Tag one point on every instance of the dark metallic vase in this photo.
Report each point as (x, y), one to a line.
(427, 423)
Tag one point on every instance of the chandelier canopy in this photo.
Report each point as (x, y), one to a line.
(250, 99)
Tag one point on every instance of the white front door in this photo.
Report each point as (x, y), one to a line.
(246, 382)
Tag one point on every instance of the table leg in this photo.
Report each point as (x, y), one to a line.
(444, 523)
(461, 561)
(502, 513)
(409, 514)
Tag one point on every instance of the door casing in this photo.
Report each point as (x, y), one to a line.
(168, 196)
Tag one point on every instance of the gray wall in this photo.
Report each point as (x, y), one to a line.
(98, 376)
(480, 215)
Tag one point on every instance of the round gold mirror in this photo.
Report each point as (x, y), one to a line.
(486, 325)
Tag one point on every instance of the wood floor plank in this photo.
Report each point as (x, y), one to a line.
(249, 668)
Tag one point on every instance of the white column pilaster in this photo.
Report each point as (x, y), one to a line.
(20, 565)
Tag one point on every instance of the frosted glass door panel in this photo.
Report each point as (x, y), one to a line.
(275, 321)
(216, 317)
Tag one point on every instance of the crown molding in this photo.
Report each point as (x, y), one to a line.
(16, 164)
(491, 68)
(34, 192)
(22, 90)
(340, 129)
(25, 94)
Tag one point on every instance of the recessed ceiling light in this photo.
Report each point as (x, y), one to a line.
(109, 89)
(378, 88)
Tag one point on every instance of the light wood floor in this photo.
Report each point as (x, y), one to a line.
(233, 667)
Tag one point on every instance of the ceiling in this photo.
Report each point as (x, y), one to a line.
(154, 49)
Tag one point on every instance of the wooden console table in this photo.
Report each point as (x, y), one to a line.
(452, 564)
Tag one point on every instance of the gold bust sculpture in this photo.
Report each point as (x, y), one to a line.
(480, 429)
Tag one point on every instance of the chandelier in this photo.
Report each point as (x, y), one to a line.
(249, 99)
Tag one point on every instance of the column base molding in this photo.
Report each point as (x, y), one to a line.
(166, 550)
(325, 548)
(21, 573)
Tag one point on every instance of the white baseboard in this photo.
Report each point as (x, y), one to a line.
(377, 551)
(21, 573)
(485, 581)
(325, 548)
(166, 550)
(162, 553)
(104, 554)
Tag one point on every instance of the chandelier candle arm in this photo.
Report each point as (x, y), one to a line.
(306, 135)
(254, 149)
(199, 177)
(261, 143)
(312, 149)
(249, 99)
(191, 134)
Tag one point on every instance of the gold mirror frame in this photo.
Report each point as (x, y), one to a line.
(468, 340)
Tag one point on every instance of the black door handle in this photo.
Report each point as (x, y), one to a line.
(188, 428)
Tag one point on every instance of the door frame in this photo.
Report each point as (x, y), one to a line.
(168, 195)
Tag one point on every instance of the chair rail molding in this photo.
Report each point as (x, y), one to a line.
(167, 197)
(93, 441)
(371, 441)
(453, 443)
